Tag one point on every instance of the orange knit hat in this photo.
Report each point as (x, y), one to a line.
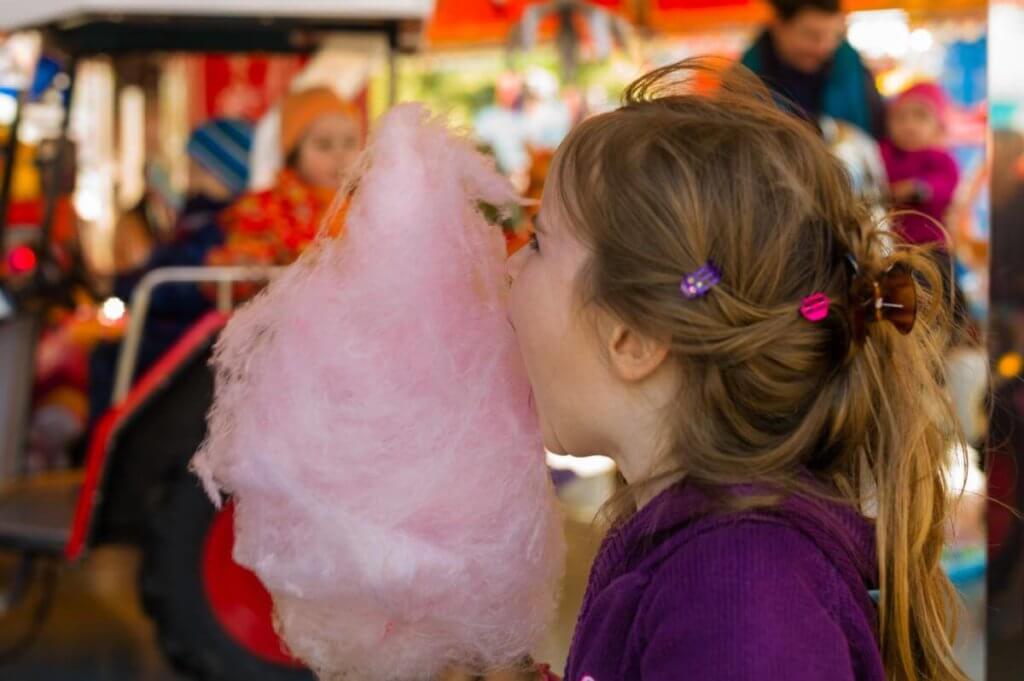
(299, 110)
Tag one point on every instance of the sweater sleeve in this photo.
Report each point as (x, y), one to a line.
(941, 177)
(739, 605)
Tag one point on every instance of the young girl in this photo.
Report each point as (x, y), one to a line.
(706, 302)
(923, 176)
(321, 137)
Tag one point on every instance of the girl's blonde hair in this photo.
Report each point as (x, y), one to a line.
(683, 175)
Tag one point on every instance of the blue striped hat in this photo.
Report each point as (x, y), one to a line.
(222, 145)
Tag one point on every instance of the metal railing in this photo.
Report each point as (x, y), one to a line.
(223, 277)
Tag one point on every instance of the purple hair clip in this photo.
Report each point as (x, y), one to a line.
(698, 283)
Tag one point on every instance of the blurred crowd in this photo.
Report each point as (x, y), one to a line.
(220, 222)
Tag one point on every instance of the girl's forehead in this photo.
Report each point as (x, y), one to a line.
(913, 103)
(548, 219)
(331, 122)
(558, 198)
(551, 196)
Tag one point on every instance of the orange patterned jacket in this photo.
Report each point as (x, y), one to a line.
(274, 226)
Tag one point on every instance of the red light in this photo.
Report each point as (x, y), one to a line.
(21, 260)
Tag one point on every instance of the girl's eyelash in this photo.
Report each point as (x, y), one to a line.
(534, 242)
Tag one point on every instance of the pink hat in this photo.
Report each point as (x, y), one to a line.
(929, 93)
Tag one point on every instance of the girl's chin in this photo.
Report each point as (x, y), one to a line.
(552, 446)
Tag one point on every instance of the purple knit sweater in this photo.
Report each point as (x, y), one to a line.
(683, 591)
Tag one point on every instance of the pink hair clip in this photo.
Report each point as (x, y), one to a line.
(814, 307)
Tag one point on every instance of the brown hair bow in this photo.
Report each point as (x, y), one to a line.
(891, 296)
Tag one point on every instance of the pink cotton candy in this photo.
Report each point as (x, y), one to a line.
(373, 423)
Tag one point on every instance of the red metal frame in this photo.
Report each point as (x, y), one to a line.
(238, 600)
(102, 439)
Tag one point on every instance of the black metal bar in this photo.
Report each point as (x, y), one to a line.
(56, 166)
(10, 156)
(392, 76)
(1005, 456)
(102, 35)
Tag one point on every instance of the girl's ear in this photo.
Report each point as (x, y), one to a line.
(634, 356)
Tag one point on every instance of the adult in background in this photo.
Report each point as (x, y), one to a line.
(803, 56)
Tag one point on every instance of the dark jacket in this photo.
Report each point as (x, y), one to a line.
(844, 88)
(173, 307)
